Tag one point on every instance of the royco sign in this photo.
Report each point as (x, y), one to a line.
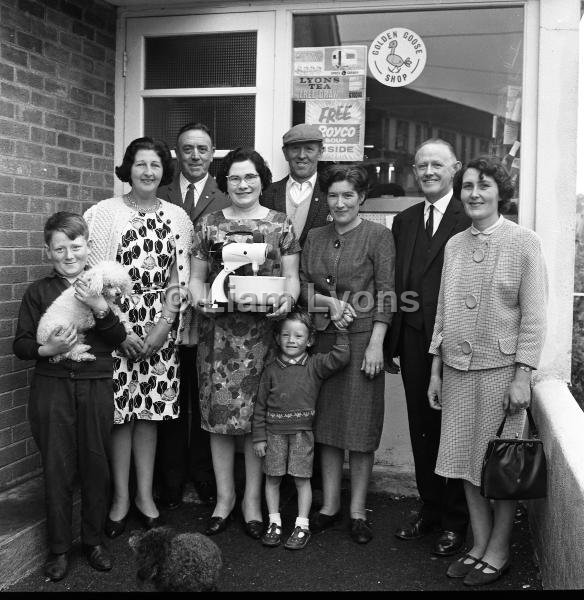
(342, 123)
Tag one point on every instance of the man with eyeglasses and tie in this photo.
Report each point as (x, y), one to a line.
(183, 448)
(420, 233)
(299, 194)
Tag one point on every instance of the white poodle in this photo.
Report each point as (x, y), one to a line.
(109, 278)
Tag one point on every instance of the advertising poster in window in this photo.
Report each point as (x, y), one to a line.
(329, 72)
(342, 123)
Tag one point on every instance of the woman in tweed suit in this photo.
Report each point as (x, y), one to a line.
(347, 269)
(488, 337)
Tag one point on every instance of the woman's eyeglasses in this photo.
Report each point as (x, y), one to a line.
(236, 179)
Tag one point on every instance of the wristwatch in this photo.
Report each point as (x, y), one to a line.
(101, 314)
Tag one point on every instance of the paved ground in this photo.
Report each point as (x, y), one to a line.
(330, 562)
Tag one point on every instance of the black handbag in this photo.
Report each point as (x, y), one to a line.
(514, 469)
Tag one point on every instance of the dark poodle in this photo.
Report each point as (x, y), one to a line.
(177, 562)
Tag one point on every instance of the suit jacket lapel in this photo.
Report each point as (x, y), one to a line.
(174, 194)
(206, 197)
(313, 210)
(412, 228)
(444, 231)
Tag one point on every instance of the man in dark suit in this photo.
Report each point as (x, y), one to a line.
(299, 194)
(420, 234)
(185, 451)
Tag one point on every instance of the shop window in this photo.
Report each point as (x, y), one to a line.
(469, 91)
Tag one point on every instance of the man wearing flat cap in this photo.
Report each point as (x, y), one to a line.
(299, 194)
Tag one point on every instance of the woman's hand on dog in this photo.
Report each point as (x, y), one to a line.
(132, 346)
(82, 293)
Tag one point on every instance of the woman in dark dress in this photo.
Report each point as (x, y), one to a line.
(347, 268)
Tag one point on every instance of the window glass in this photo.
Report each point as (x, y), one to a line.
(204, 60)
(469, 92)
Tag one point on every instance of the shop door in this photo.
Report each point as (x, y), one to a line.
(217, 69)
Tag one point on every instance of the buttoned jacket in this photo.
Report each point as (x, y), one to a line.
(405, 228)
(492, 302)
(274, 197)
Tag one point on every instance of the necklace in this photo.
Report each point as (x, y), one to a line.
(141, 209)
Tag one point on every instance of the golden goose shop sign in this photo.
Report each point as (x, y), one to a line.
(397, 57)
(342, 123)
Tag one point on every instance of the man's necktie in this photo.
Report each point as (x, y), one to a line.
(189, 198)
(430, 222)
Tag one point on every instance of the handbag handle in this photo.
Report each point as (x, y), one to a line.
(532, 426)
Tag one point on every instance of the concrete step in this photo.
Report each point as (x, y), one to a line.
(23, 534)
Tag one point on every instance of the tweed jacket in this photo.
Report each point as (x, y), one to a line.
(357, 266)
(492, 302)
(405, 228)
(210, 200)
(106, 221)
(274, 197)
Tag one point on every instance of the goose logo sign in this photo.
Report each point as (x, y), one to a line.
(397, 57)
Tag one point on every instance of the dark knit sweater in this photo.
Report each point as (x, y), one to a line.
(288, 392)
(107, 334)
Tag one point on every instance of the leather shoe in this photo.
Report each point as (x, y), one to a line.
(477, 576)
(216, 525)
(361, 531)
(206, 491)
(459, 568)
(255, 529)
(320, 521)
(115, 528)
(415, 529)
(98, 557)
(449, 543)
(148, 522)
(56, 566)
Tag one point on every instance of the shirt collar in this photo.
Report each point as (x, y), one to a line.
(490, 229)
(58, 275)
(440, 205)
(310, 182)
(199, 185)
(293, 361)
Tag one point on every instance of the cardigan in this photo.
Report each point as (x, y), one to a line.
(492, 302)
(288, 392)
(108, 218)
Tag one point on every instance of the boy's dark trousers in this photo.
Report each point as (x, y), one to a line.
(71, 422)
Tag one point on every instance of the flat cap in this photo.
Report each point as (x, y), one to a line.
(303, 132)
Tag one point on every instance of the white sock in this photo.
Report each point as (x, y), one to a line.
(301, 522)
(275, 518)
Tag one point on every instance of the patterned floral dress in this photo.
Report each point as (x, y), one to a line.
(146, 389)
(233, 347)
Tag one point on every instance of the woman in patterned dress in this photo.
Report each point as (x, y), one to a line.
(488, 337)
(347, 268)
(152, 238)
(233, 344)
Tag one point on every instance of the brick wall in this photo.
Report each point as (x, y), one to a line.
(57, 62)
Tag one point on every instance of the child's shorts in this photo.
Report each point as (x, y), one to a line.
(294, 449)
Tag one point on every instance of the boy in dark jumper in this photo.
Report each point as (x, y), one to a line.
(283, 415)
(71, 403)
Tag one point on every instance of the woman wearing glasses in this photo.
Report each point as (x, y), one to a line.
(233, 344)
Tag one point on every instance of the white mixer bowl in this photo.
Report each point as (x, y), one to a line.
(256, 289)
